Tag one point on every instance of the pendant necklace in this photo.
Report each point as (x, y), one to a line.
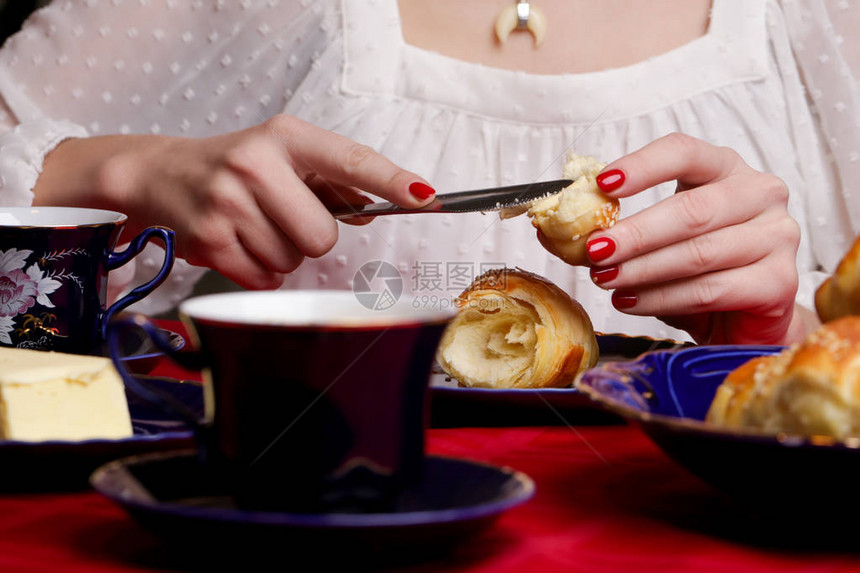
(521, 15)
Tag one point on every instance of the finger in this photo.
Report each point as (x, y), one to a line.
(234, 214)
(241, 266)
(235, 206)
(688, 214)
(721, 291)
(270, 247)
(734, 246)
(335, 196)
(676, 156)
(292, 208)
(345, 162)
(224, 252)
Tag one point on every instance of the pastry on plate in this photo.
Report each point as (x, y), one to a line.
(839, 295)
(516, 329)
(809, 389)
(565, 219)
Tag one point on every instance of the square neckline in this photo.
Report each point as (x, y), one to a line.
(408, 45)
(379, 61)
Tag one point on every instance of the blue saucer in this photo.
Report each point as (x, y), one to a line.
(668, 393)
(173, 495)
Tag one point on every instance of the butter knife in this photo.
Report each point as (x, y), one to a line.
(479, 200)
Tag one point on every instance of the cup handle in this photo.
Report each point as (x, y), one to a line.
(116, 260)
(187, 359)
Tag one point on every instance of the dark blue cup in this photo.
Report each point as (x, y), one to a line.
(54, 264)
(313, 402)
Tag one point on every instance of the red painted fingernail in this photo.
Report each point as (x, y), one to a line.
(421, 191)
(600, 249)
(600, 276)
(611, 180)
(623, 299)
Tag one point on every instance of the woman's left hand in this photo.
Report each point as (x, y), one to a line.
(716, 259)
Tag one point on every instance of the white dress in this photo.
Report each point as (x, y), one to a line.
(773, 80)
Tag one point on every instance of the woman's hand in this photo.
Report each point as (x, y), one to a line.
(250, 204)
(716, 259)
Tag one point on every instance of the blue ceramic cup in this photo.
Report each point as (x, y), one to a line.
(54, 264)
(313, 402)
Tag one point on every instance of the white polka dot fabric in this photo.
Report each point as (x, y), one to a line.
(774, 80)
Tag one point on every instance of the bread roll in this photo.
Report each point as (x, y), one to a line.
(517, 330)
(567, 218)
(839, 295)
(811, 388)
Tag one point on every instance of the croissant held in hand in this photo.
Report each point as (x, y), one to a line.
(517, 330)
(839, 295)
(565, 219)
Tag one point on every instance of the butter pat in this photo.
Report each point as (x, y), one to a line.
(57, 396)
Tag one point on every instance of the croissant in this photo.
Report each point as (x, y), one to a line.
(809, 389)
(839, 295)
(567, 218)
(516, 329)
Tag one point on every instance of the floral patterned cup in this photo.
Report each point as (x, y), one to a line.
(54, 264)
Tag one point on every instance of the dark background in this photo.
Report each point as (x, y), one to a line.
(13, 13)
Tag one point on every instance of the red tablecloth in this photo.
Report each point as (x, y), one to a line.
(607, 500)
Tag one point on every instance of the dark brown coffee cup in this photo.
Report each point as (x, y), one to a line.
(313, 401)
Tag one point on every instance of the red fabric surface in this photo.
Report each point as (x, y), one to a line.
(607, 500)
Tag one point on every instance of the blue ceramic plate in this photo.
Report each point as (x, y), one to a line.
(455, 406)
(174, 496)
(668, 393)
(63, 465)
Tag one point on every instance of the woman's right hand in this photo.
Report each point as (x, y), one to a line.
(249, 204)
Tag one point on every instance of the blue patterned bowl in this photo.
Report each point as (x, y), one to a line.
(667, 394)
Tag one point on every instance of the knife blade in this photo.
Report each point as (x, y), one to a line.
(477, 200)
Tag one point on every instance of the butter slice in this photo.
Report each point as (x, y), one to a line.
(57, 396)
